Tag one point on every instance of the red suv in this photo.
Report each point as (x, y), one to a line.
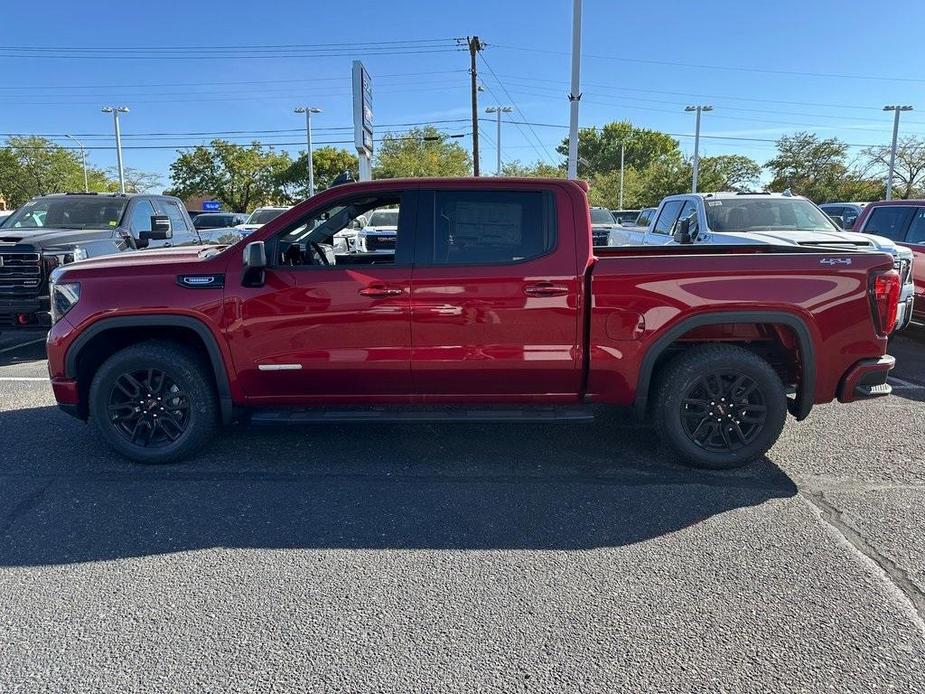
(903, 221)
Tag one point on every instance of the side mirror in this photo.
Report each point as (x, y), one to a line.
(160, 229)
(255, 263)
(682, 234)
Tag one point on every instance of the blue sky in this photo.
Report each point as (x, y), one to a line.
(767, 68)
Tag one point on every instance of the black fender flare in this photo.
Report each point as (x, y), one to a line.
(799, 408)
(208, 339)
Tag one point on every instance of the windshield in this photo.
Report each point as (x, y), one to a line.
(264, 216)
(384, 218)
(68, 213)
(626, 216)
(771, 214)
(601, 216)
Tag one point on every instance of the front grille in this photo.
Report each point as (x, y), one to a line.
(20, 274)
(600, 237)
(380, 243)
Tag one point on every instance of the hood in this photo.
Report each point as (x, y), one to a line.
(796, 238)
(129, 259)
(51, 238)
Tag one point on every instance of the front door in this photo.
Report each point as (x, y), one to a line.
(325, 326)
(495, 298)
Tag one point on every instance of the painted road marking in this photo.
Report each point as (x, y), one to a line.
(24, 378)
(22, 344)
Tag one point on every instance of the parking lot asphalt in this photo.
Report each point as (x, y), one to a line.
(463, 557)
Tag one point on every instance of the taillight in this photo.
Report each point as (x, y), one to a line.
(884, 294)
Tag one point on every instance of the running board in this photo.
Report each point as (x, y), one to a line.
(398, 415)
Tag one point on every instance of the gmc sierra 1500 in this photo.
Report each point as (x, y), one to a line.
(494, 302)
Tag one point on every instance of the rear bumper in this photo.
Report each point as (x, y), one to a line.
(867, 379)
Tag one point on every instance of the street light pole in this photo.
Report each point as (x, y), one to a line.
(696, 166)
(896, 111)
(622, 152)
(574, 96)
(115, 111)
(83, 156)
(498, 110)
(308, 111)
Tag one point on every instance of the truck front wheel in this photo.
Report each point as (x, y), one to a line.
(153, 402)
(719, 406)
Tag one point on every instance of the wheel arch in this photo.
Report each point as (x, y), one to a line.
(124, 330)
(803, 403)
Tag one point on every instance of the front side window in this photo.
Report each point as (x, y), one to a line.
(489, 227)
(141, 216)
(330, 237)
(175, 214)
(889, 221)
(688, 212)
(667, 217)
(68, 212)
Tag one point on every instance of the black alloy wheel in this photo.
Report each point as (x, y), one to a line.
(723, 411)
(148, 408)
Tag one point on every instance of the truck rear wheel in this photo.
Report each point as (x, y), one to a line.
(719, 406)
(153, 402)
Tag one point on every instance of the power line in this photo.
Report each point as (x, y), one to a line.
(518, 109)
(795, 73)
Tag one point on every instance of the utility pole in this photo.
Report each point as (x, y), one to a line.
(574, 96)
(622, 151)
(83, 156)
(309, 156)
(696, 166)
(115, 111)
(498, 110)
(896, 111)
(474, 47)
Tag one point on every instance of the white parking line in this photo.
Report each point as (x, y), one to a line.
(22, 344)
(900, 384)
(24, 378)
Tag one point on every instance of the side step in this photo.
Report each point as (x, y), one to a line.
(570, 413)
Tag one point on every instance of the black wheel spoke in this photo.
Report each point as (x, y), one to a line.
(723, 411)
(149, 408)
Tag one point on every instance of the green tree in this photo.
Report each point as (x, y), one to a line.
(909, 169)
(728, 172)
(240, 176)
(32, 166)
(423, 151)
(538, 169)
(809, 165)
(329, 163)
(669, 175)
(600, 148)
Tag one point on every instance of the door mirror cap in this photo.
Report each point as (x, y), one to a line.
(160, 229)
(255, 255)
(682, 234)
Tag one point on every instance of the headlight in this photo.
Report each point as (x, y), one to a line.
(80, 253)
(64, 297)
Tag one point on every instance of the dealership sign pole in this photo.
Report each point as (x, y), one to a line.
(363, 119)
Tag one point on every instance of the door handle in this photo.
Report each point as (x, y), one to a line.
(380, 290)
(545, 289)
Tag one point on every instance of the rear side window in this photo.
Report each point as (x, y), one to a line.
(916, 233)
(889, 221)
(667, 217)
(488, 227)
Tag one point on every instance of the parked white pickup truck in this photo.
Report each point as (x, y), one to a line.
(763, 218)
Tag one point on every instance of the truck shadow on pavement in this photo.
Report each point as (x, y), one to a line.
(69, 499)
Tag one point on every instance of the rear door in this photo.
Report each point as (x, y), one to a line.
(495, 296)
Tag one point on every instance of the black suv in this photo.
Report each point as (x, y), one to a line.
(52, 230)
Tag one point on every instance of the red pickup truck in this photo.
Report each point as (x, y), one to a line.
(492, 306)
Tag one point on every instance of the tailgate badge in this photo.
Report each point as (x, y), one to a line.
(835, 261)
